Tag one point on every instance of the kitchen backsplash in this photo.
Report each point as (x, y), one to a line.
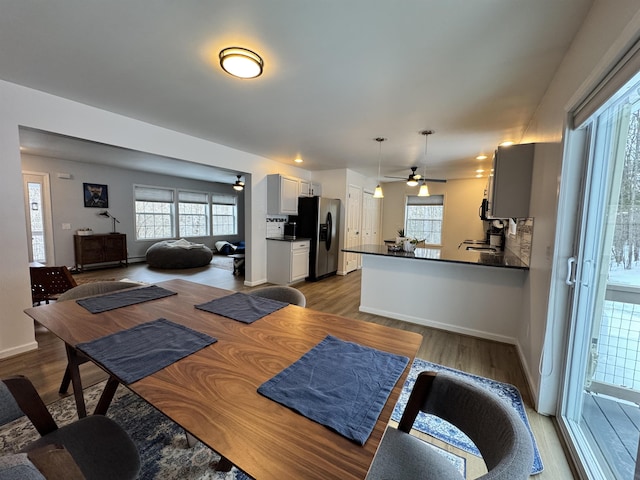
(519, 243)
(275, 225)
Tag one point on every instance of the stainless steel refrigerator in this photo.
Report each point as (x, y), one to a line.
(319, 219)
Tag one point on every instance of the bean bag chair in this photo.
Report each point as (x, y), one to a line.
(178, 254)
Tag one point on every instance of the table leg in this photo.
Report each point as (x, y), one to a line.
(106, 396)
(224, 465)
(74, 372)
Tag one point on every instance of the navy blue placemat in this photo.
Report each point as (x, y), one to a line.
(125, 298)
(241, 307)
(342, 385)
(139, 351)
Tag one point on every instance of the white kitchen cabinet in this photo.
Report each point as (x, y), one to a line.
(287, 261)
(509, 189)
(282, 195)
(306, 189)
(316, 190)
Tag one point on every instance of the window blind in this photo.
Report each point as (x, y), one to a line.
(150, 194)
(626, 69)
(222, 199)
(430, 200)
(193, 197)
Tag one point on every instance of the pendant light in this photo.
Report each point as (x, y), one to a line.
(424, 189)
(377, 193)
(239, 185)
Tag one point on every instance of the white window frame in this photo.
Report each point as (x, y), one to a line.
(224, 199)
(193, 199)
(430, 201)
(154, 197)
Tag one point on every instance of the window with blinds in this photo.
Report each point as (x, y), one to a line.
(423, 218)
(224, 214)
(154, 209)
(193, 214)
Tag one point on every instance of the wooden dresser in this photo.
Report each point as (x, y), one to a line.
(99, 249)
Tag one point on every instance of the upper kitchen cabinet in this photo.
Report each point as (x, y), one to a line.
(309, 189)
(282, 195)
(306, 190)
(509, 189)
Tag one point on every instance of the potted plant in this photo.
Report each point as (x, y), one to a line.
(410, 243)
(400, 238)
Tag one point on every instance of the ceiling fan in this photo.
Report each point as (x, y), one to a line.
(412, 179)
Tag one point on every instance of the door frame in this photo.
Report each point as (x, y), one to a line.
(47, 216)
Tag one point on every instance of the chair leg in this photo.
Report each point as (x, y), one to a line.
(191, 440)
(66, 380)
(224, 465)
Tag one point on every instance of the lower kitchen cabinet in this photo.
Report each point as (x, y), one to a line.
(287, 261)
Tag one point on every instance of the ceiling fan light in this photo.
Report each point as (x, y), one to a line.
(241, 63)
(239, 185)
(377, 193)
(412, 182)
(424, 190)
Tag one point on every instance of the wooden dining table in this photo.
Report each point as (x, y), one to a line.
(212, 393)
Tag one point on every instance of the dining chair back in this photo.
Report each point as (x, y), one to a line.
(47, 283)
(493, 425)
(94, 447)
(281, 293)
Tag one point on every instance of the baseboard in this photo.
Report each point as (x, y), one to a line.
(441, 326)
(534, 391)
(10, 352)
(254, 283)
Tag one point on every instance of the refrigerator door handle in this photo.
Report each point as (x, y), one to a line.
(329, 230)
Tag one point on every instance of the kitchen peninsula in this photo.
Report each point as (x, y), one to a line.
(469, 292)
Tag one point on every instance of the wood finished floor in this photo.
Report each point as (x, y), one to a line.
(338, 295)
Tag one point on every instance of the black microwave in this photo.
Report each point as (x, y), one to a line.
(290, 229)
(484, 209)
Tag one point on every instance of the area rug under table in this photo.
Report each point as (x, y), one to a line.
(164, 454)
(162, 444)
(444, 431)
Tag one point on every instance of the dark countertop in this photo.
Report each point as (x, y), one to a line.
(443, 254)
(286, 238)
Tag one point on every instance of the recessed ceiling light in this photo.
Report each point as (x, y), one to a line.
(506, 144)
(241, 63)
(298, 160)
(480, 170)
(479, 175)
(481, 157)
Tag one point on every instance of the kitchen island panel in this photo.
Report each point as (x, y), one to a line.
(463, 298)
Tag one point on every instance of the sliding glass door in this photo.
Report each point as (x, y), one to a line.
(602, 379)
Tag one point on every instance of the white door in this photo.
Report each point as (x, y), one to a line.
(601, 394)
(354, 211)
(370, 219)
(37, 207)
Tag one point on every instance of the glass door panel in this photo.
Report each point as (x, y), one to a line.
(602, 380)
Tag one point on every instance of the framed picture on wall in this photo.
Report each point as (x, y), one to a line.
(95, 195)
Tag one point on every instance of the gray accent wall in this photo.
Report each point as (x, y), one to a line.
(67, 204)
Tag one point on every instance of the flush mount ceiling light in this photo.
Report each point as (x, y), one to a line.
(377, 193)
(424, 189)
(239, 185)
(241, 63)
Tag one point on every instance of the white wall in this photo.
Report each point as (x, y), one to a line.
(607, 32)
(21, 106)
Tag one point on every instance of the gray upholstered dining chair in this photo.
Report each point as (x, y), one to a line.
(496, 429)
(94, 447)
(282, 293)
